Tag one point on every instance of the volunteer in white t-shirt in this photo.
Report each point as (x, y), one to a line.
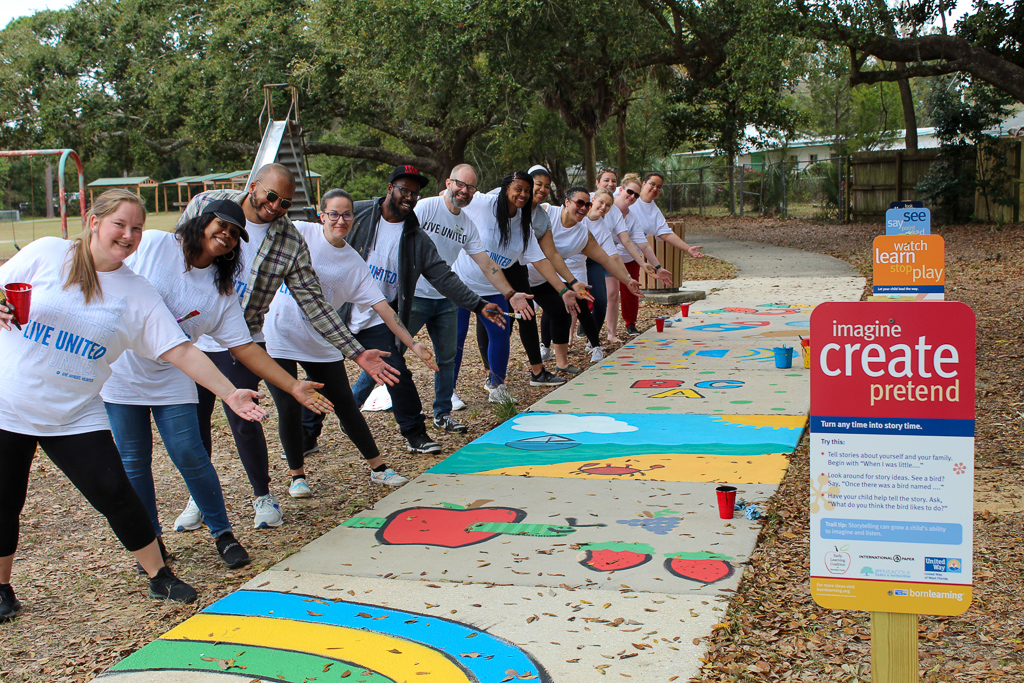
(625, 200)
(193, 271)
(572, 237)
(453, 232)
(504, 223)
(86, 310)
(292, 340)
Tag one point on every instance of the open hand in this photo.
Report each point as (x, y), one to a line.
(520, 303)
(305, 392)
(695, 251)
(243, 403)
(372, 360)
(425, 355)
(495, 314)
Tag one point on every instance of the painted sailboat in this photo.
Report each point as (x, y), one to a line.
(544, 442)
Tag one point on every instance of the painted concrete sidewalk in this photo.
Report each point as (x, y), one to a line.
(576, 540)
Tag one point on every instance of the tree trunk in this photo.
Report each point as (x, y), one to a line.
(909, 115)
(620, 125)
(732, 181)
(49, 190)
(590, 158)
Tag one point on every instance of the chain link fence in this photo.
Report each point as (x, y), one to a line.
(805, 189)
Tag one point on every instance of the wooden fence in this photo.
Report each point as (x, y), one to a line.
(878, 178)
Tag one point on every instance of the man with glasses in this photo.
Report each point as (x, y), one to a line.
(398, 252)
(452, 231)
(275, 255)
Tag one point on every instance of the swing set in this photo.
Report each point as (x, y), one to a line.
(62, 193)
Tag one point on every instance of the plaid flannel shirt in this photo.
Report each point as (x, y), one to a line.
(283, 258)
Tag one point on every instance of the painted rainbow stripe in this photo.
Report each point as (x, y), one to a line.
(276, 634)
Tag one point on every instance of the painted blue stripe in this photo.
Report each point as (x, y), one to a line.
(437, 633)
(904, 426)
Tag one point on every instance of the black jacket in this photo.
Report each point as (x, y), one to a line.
(417, 256)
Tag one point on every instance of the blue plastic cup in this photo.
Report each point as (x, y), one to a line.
(783, 356)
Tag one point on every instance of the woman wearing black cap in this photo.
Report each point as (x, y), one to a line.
(193, 270)
(86, 310)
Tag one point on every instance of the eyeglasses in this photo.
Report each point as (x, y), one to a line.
(464, 186)
(273, 197)
(334, 216)
(631, 193)
(407, 193)
(654, 186)
(581, 203)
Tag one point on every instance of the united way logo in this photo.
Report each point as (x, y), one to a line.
(946, 565)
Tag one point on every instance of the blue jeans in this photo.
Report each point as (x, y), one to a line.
(405, 399)
(497, 341)
(441, 320)
(179, 428)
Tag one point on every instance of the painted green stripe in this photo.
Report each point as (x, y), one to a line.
(259, 662)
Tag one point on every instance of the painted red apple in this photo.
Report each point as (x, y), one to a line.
(612, 560)
(443, 527)
(699, 570)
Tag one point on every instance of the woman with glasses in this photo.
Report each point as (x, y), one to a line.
(293, 341)
(572, 237)
(653, 221)
(193, 270)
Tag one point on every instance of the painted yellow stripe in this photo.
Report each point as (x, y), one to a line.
(396, 658)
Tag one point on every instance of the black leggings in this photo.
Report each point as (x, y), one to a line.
(249, 438)
(561, 319)
(93, 465)
(337, 390)
(585, 317)
(519, 277)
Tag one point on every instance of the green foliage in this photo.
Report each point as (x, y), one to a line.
(962, 112)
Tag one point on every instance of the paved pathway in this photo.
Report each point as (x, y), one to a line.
(578, 539)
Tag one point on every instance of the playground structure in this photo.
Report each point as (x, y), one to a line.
(284, 142)
(61, 191)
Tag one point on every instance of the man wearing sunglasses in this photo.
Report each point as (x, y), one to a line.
(285, 260)
(398, 252)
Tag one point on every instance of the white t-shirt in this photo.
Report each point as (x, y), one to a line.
(539, 222)
(568, 241)
(650, 218)
(483, 216)
(248, 253)
(344, 278)
(140, 381)
(382, 264)
(636, 234)
(451, 235)
(599, 229)
(54, 368)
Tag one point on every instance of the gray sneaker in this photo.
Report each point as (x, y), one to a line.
(545, 379)
(571, 370)
(388, 477)
(450, 424)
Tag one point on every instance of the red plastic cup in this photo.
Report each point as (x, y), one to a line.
(19, 295)
(660, 324)
(685, 310)
(726, 501)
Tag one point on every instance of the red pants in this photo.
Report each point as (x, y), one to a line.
(629, 304)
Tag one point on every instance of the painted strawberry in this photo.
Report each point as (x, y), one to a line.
(700, 567)
(614, 556)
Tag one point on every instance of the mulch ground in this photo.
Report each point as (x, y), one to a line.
(85, 607)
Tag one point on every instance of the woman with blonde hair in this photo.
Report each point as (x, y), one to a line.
(86, 310)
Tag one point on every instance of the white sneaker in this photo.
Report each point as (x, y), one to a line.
(300, 489)
(500, 394)
(589, 347)
(388, 477)
(545, 354)
(190, 519)
(596, 354)
(268, 512)
(457, 403)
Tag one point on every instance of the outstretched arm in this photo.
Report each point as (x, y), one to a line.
(518, 301)
(253, 356)
(394, 323)
(201, 369)
(615, 267)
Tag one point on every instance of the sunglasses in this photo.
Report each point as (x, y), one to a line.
(631, 193)
(581, 203)
(273, 197)
(334, 216)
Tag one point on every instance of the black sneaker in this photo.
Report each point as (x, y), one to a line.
(631, 330)
(166, 586)
(9, 605)
(231, 551)
(421, 443)
(309, 445)
(545, 379)
(164, 555)
(450, 424)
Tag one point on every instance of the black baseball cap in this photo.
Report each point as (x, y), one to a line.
(229, 211)
(408, 170)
